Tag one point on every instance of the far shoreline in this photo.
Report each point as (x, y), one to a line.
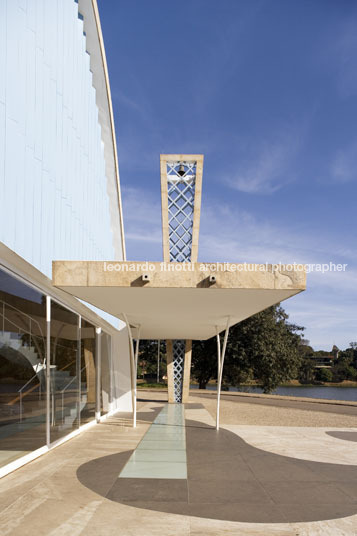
(142, 384)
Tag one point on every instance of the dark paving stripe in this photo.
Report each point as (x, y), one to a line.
(148, 416)
(156, 400)
(142, 416)
(228, 479)
(101, 474)
(347, 436)
(194, 405)
(328, 407)
(149, 489)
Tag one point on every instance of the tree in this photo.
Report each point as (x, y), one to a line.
(147, 358)
(344, 370)
(323, 375)
(306, 372)
(204, 361)
(353, 348)
(305, 349)
(264, 347)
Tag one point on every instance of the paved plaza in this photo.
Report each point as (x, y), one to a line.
(176, 475)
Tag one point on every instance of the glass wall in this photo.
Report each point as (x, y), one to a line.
(64, 371)
(88, 372)
(22, 368)
(106, 373)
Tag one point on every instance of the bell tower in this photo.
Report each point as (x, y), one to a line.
(181, 187)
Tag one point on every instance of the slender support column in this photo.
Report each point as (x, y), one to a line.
(136, 368)
(170, 371)
(158, 362)
(48, 370)
(98, 373)
(218, 354)
(187, 371)
(133, 366)
(111, 378)
(221, 355)
(79, 372)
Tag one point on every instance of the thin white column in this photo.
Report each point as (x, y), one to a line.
(78, 371)
(221, 355)
(158, 362)
(98, 372)
(133, 367)
(218, 354)
(48, 370)
(136, 368)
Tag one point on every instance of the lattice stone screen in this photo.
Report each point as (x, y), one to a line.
(178, 350)
(181, 179)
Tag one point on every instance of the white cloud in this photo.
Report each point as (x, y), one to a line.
(344, 166)
(337, 55)
(329, 318)
(142, 224)
(346, 59)
(268, 166)
(229, 234)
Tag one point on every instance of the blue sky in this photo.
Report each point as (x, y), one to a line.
(267, 91)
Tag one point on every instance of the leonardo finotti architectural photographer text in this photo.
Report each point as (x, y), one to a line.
(221, 267)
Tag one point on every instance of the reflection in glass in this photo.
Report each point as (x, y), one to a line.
(22, 368)
(105, 370)
(64, 367)
(87, 372)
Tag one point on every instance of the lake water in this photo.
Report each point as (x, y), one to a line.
(318, 391)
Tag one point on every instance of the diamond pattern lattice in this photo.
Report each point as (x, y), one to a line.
(181, 179)
(178, 351)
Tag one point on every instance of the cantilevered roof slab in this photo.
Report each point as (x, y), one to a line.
(179, 300)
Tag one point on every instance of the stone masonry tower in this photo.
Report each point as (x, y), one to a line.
(181, 186)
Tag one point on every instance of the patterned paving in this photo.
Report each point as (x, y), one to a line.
(75, 490)
(228, 479)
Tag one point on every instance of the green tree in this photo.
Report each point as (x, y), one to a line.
(265, 346)
(147, 358)
(323, 375)
(305, 349)
(353, 349)
(204, 361)
(343, 369)
(306, 372)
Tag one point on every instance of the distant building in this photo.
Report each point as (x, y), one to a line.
(326, 361)
(335, 351)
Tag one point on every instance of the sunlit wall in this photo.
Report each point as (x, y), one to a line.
(53, 188)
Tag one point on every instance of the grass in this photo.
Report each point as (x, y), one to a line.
(149, 385)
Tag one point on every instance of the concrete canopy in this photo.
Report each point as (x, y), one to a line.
(179, 301)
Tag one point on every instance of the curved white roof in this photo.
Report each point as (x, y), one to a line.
(98, 65)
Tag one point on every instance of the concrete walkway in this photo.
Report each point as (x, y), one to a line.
(162, 451)
(241, 480)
